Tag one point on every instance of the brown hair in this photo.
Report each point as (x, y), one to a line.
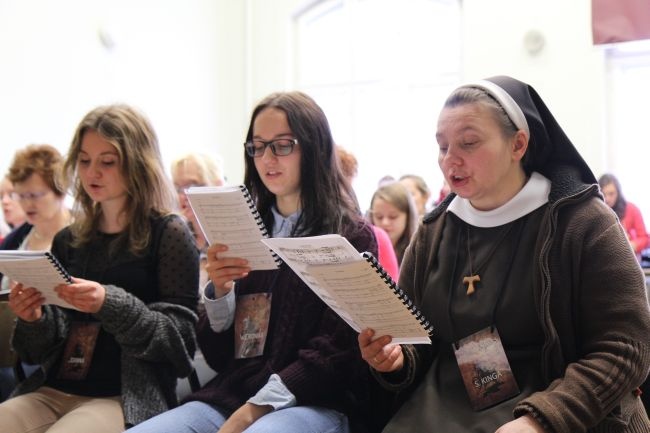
(397, 195)
(348, 163)
(149, 190)
(43, 160)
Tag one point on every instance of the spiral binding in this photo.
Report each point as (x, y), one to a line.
(399, 292)
(258, 218)
(59, 267)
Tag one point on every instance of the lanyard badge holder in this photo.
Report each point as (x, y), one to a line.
(481, 358)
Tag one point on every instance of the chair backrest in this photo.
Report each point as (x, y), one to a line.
(7, 323)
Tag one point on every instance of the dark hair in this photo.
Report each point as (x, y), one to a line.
(620, 204)
(326, 199)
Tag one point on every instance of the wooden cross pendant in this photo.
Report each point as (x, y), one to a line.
(470, 283)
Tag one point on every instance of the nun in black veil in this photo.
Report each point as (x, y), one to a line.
(538, 303)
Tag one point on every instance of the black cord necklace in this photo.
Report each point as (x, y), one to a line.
(474, 277)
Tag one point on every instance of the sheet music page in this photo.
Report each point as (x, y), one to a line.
(34, 269)
(370, 301)
(343, 279)
(300, 253)
(225, 216)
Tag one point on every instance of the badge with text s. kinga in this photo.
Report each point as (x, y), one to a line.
(485, 369)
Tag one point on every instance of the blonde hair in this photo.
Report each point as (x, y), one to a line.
(210, 171)
(149, 191)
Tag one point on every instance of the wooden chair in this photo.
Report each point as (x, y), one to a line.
(8, 359)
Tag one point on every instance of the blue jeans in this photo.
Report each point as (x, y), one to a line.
(199, 417)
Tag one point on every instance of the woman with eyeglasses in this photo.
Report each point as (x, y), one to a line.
(113, 360)
(39, 189)
(306, 374)
(34, 183)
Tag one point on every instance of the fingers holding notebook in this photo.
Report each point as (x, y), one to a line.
(380, 353)
(224, 270)
(84, 295)
(26, 302)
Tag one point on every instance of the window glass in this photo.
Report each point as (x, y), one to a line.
(381, 70)
(628, 143)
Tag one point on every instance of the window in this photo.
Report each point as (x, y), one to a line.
(381, 70)
(628, 143)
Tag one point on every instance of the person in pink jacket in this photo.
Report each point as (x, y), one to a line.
(628, 213)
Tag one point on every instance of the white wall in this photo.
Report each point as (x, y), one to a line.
(165, 57)
(569, 72)
(197, 67)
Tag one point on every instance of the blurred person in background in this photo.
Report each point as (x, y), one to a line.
(12, 213)
(392, 208)
(386, 253)
(419, 191)
(191, 170)
(628, 213)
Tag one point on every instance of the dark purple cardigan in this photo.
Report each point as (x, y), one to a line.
(314, 351)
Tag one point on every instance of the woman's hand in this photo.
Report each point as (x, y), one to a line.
(87, 296)
(223, 271)
(243, 417)
(26, 303)
(380, 354)
(524, 424)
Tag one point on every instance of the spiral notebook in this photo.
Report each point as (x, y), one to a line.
(227, 215)
(38, 269)
(354, 285)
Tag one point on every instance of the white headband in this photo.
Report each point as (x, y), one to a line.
(509, 105)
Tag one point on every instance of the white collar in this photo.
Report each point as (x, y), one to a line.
(533, 195)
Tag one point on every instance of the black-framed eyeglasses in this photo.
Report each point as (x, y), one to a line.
(279, 147)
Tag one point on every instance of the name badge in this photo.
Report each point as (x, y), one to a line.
(485, 369)
(252, 314)
(78, 352)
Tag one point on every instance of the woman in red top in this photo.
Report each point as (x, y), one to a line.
(628, 213)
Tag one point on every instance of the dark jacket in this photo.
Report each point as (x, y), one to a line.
(13, 240)
(589, 289)
(593, 310)
(156, 338)
(309, 346)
